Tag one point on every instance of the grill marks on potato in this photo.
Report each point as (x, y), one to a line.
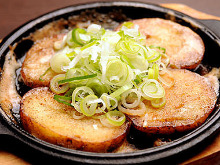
(183, 46)
(49, 120)
(189, 102)
(37, 61)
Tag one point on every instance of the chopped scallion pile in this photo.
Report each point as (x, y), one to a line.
(98, 69)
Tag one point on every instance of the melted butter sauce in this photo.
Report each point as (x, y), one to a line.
(9, 98)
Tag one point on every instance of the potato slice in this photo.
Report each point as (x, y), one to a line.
(183, 46)
(49, 120)
(37, 61)
(188, 103)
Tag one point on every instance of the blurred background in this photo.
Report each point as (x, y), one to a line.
(14, 13)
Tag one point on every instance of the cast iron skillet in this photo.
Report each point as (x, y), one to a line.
(210, 34)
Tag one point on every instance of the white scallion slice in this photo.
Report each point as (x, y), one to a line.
(76, 72)
(55, 87)
(131, 98)
(88, 106)
(116, 94)
(153, 72)
(60, 44)
(117, 73)
(110, 102)
(140, 110)
(58, 61)
(169, 81)
(115, 117)
(158, 103)
(78, 94)
(103, 119)
(152, 89)
(97, 86)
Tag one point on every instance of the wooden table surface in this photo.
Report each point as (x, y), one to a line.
(208, 154)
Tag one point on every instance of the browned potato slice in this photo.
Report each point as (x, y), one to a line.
(49, 120)
(37, 62)
(183, 46)
(188, 103)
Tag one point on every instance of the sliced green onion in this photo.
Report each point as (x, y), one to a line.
(131, 98)
(116, 94)
(78, 94)
(158, 47)
(75, 72)
(128, 48)
(140, 110)
(69, 92)
(91, 66)
(150, 73)
(110, 102)
(80, 37)
(71, 54)
(103, 119)
(116, 72)
(69, 40)
(95, 31)
(113, 65)
(58, 61)
(128, 24)
(152, 89)
(165, 60)
(115, 117)
(140, 63)
(48, 69)
(125, 59)
(153, 72)
(89, 45)
(60, 44)
(169, 81)
(88, 109)
(93, 28)
(62, 99)
(152, 55)
(156, 71)
(158, 103)
(97, 86)
(77, 78)
(54, 85)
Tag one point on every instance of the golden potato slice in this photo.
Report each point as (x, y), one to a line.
(183, 46)
(37, 61)
(49, 120)
(188, 103)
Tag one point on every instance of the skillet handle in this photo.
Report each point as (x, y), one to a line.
(213, 25)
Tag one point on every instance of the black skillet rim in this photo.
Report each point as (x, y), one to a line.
(147, 155)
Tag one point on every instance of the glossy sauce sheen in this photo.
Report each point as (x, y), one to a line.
(9, 98)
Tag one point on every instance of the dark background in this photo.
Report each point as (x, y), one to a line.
(14, 13)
